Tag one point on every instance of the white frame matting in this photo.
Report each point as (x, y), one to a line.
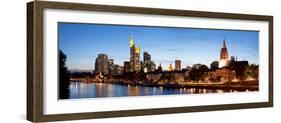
(54, 106)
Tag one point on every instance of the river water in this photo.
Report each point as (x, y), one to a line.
(95, 90)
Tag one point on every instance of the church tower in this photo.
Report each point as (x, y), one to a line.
(223, 56)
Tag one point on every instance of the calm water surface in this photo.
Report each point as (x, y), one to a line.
(94, 90)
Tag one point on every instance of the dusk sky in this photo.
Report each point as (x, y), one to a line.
(83, 42)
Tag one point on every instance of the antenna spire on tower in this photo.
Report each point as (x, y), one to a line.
(131, 41)
(224, 44)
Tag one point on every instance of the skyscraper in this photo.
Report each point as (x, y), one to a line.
(170, 67)
(101, 64)
(178, 65)
(110, 65)
(146, 57)
(134, 56)
(153, 67)
(159, 69)
(223, 56)
(117, 69)
(126, 66)
(147, 65)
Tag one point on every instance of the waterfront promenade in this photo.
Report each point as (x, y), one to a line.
(251, 85)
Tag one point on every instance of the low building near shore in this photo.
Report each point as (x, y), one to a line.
(168, 76)
(221, 75)
(153, 76)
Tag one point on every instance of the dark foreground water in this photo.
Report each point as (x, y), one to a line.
(94, 90)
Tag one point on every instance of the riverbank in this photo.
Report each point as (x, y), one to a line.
(182, 85)
(199, 86)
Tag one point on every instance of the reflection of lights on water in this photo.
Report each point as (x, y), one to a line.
(204, 91)
(219, 91)
(191, 90)
(233, 90)
(154, 90)
(137, 86)
(183, 90)
(133, 90)
(82, 90)
(109, 86)
(146, 91)
(110, 90)
(100, 84)
(161, 88)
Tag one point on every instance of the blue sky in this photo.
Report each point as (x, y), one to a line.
(83, 42)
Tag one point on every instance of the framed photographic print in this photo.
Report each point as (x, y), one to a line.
(96, 61)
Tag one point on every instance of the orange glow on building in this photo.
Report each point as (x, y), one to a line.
(223, 56)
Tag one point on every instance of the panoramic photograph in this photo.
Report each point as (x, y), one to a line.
(104, 60)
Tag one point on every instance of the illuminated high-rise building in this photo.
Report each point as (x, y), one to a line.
(223, 56)
(153, 67)
(134, 56)
(147, 65)
(101, 64)
(110, 65)
(146, 57)
(126, 66)
(170, 67)
(117, 69)
(177, 65)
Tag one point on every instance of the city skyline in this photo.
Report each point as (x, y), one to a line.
(83, 42)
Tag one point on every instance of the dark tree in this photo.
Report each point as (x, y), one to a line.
(63, 77)
(167, 77)
(252, 71)
(239, 67)
(203, 68)
(198, 74)
(194, 75)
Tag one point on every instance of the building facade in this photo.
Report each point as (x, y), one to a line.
(170, 67)
(117, 70)
(101, 64)
(110, 65)
(223, 61)
(134, 56)
(126, 66)
(178, 65)
(221, 75)
(147, 65)
(146, 57)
